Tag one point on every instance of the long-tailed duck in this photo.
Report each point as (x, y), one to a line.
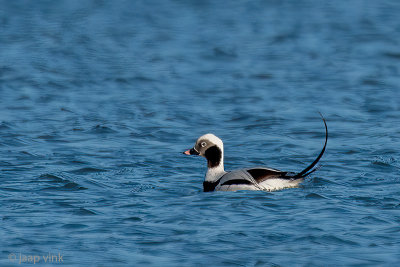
(257, 178)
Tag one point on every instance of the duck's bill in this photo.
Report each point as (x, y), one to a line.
(191, 151)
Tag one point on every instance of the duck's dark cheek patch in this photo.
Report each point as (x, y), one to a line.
(213, 156)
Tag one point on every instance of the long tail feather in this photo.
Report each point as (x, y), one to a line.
(309, 169)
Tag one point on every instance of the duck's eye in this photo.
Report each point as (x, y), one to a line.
(203, 144)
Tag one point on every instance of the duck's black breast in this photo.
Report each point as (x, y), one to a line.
(210, 186)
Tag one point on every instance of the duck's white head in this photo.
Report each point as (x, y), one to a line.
(210, 147)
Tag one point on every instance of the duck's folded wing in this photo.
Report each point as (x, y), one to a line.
(253, 176)
(260, 174)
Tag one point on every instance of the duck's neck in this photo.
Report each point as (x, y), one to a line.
(215, 163)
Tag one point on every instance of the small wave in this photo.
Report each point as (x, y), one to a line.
(261, 76)
(71, 186)
(142, 187)
(101, 129)
(133, 219)
(385, 162)
(84, 211)
(65, 184)
(52, 178)
(5, 125)
(394, 55)
(86, 170)
(74, 226)
(315, 196)
(372, 220)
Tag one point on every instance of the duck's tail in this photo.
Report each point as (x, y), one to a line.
(307, 171)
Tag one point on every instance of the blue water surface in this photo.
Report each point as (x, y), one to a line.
(99, 98)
